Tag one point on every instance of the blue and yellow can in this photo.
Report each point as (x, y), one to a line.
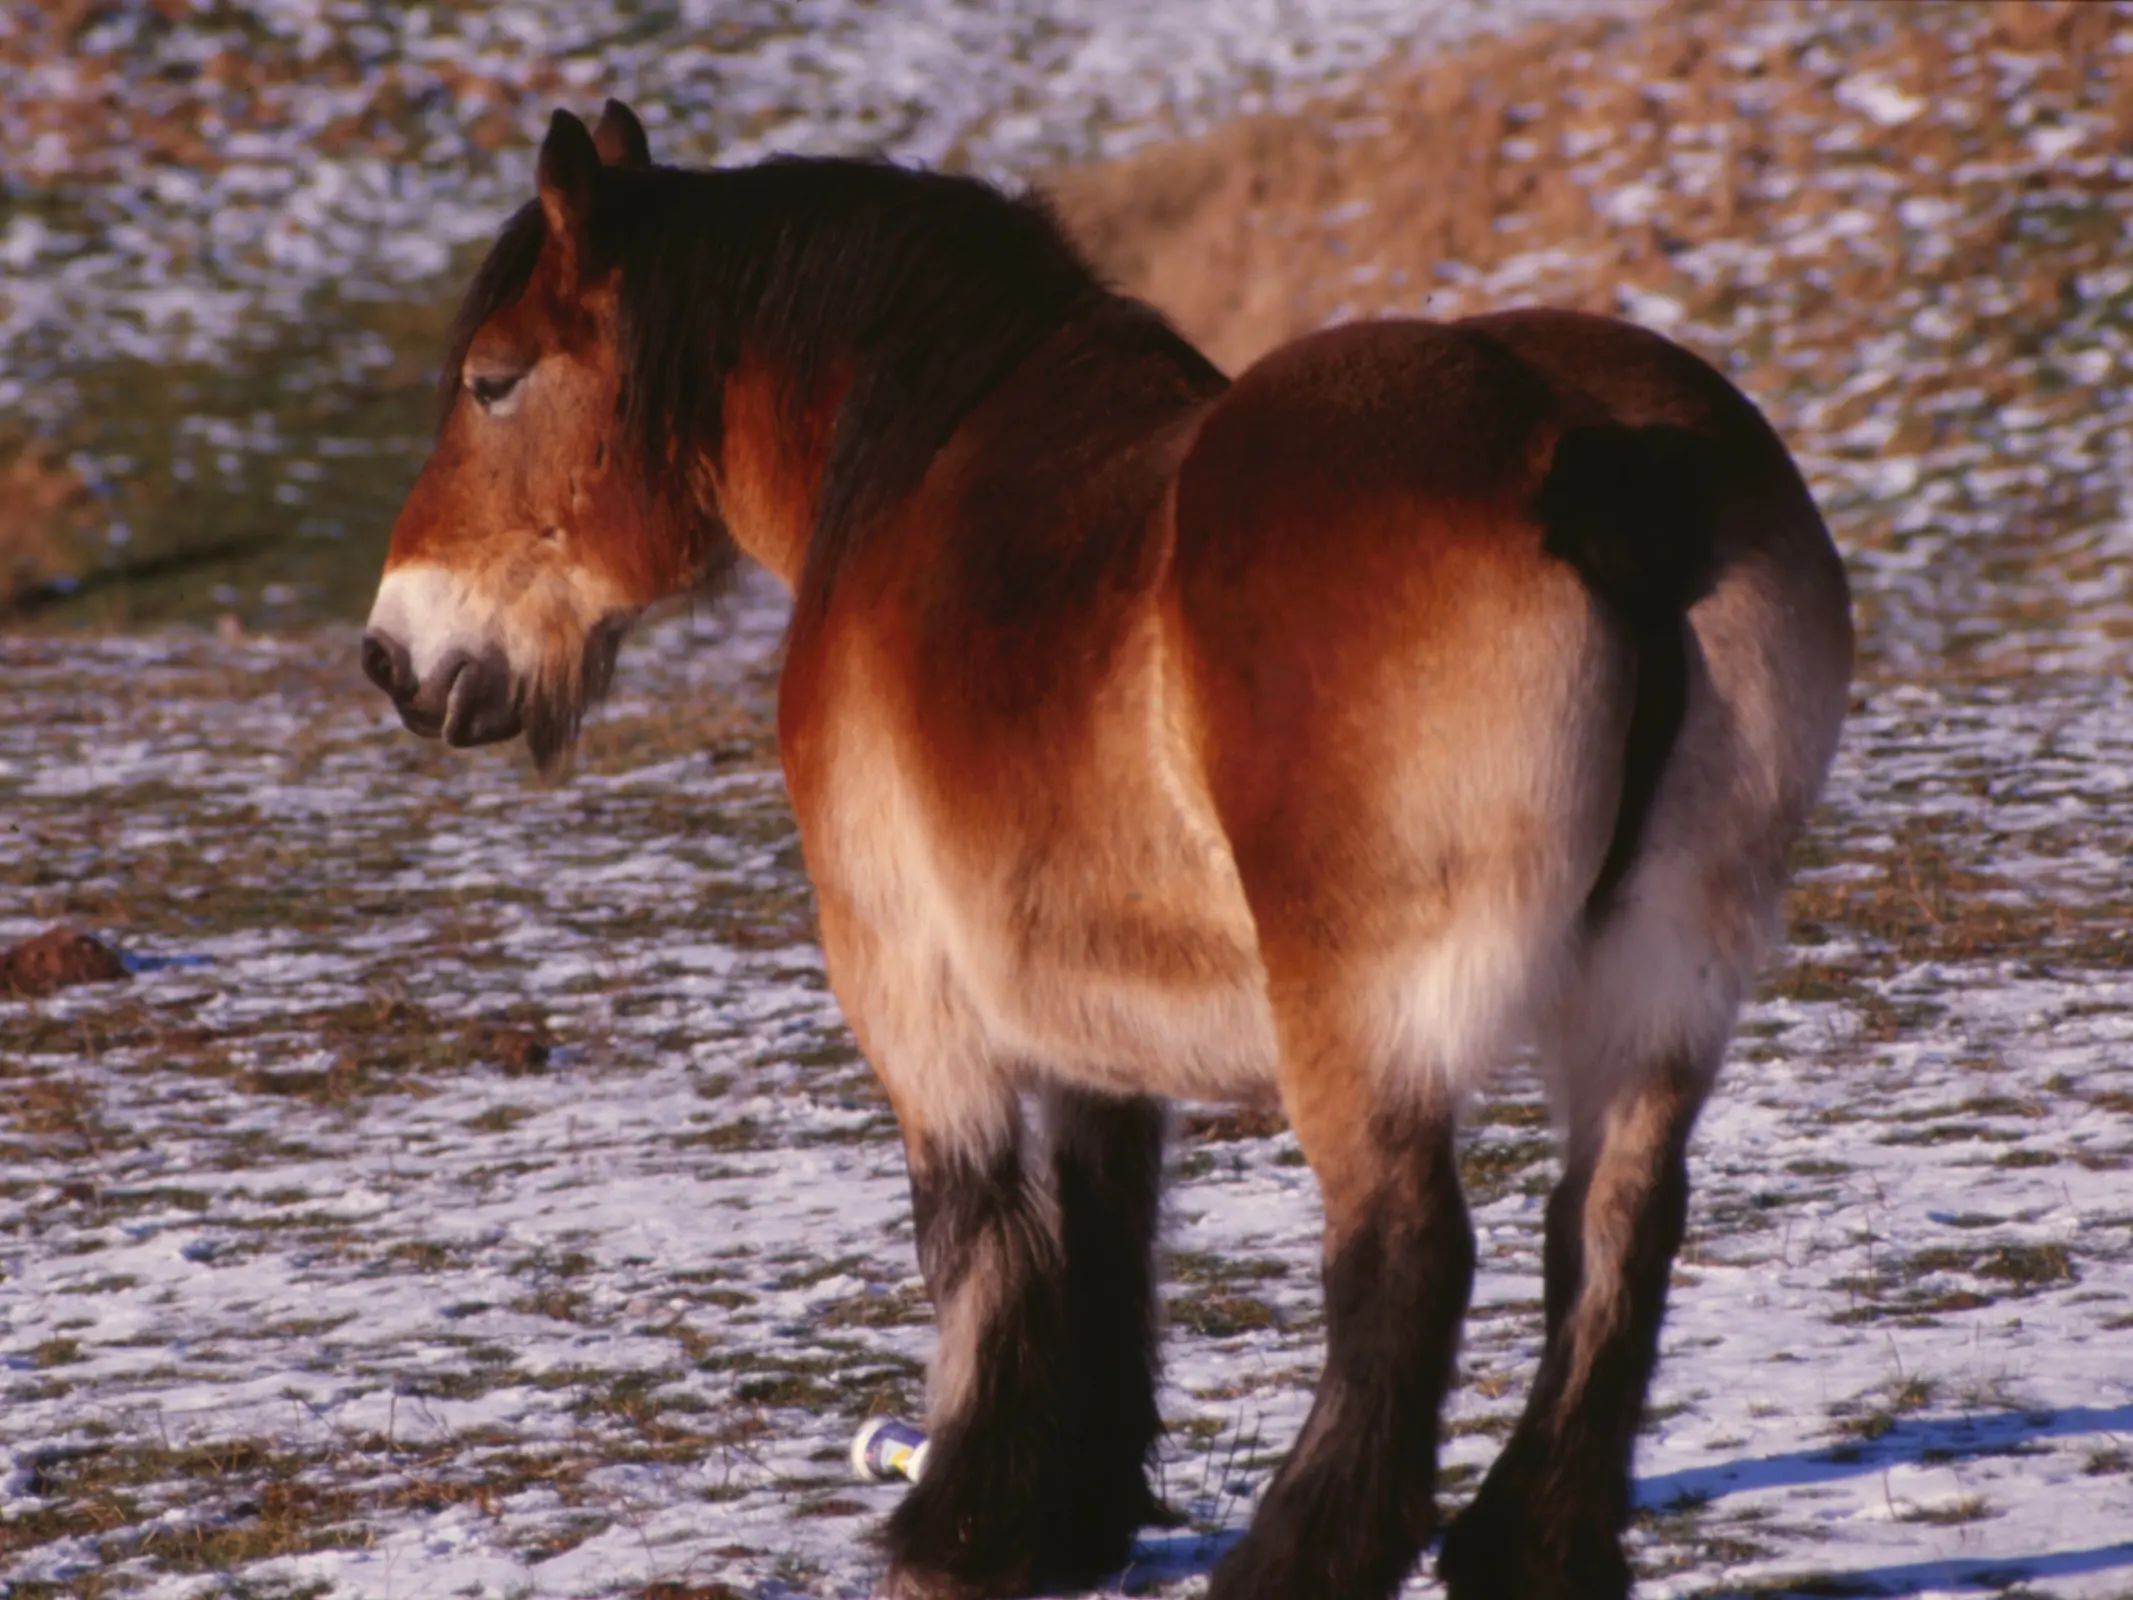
(885, 1449)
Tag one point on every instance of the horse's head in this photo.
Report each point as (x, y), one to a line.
(536, 531)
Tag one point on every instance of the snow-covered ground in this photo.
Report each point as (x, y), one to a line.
(474, 1190)
(314, 1280)
(231, 232)
(206, 172)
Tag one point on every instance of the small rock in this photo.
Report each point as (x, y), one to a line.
(57, 959)
(515, 1050)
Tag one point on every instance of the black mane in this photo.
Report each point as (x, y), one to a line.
(932, 286)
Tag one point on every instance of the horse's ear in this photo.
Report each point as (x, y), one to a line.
(620, 137)
(569, 163)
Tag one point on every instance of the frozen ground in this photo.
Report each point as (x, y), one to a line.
(474, 1192)
(203, 171)
(232, 229)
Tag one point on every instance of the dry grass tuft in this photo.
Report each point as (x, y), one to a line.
(43, 506)
(57, 959)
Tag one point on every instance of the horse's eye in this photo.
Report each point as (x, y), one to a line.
(492, 388)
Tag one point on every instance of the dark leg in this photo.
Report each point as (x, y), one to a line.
(1353, 1504)
(1042, 1409)
(977, 1522)
(1107, 1160)
(1548, 1520)
(1563, 1252)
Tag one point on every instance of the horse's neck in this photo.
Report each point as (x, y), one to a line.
(771, 460)
(1110, 378)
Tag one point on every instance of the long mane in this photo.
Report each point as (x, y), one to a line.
(930, 286)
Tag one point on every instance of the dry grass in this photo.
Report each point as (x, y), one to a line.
(43, 509)
(1273, 225)
(1933, 899)
(105, 121)
(1242, 236)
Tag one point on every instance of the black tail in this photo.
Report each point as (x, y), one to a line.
(1630, 508)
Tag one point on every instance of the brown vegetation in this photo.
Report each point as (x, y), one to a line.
(1396, 194)
(42, 502)
(116, 105)
(56, 959)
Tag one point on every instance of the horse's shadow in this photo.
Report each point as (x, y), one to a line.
(1171, 1557)
(1174, 1557)
(138, 965)
(1919, 1439)
(2010, 1572)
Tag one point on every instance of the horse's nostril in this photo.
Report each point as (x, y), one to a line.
(386, 664)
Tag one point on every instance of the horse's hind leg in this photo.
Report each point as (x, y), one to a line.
(1042, 1407)
(1353, 1503)
(1633, 1049)
(1547, 1522)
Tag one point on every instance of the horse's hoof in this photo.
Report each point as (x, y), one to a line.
(1156, 1512)
(1496, 1557)
(903, 1583)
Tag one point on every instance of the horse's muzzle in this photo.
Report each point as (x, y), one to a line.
(467, 699)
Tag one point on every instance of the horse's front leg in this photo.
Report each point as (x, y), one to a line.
(1041, 1406)
(978, 1521)
(1036, 1245)
(1106, 1161)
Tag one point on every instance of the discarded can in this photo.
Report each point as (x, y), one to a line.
(885, 1449)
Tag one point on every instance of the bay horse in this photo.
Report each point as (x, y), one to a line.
(1431, 692)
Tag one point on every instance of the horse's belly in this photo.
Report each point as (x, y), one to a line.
(1096, 931)
(1204, 1032)
(1145, 980)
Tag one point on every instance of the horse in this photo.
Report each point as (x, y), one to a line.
(1430, 693)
